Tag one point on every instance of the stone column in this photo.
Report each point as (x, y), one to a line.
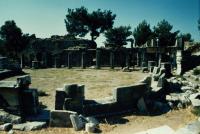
(138, 59)
(179, 69)
(127, 60)
(69, 60)
(112, 59)
(151, 64)
(83, 60)
(98, 60)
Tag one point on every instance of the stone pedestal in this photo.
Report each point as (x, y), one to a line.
(83, 60)
(98, 61)
(35, 64)
(151, 64)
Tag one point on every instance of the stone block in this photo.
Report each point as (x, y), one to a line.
(156, 70)
(60, 118)
(6, 127)
(147, 80)
(129, 94)
(9, 118)
(76, 122)
(24, 81)
(71, 90)
(142, 106)
(73, 105)
(30, 102)
(162, 81)
(30, 126)
(90, 127)
(59, 99)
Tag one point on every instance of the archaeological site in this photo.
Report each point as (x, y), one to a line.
(99, 77)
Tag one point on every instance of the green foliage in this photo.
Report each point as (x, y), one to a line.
(12, 35)
(142, 33)
(196, 71)
(79, 22)
(15, 41)
(76, 20)
(164, 34)
(196, 111)
(186, 37)
(117, 37)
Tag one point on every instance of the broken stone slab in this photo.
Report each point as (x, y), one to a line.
(9, 118)
(179, 98)
(146, 80)
(76, 122)
(6, 127)
(29, 126)
(195, 99)
(156, 70)
(90, 127)
(129, 95)
(60, 118)
(161, 81)
(185, 88)
(24, 80)
(141, 105)
(92, 120)
(159, 130)
(191, 128)
(59, 99)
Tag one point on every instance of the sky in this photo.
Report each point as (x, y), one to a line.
(46, 17)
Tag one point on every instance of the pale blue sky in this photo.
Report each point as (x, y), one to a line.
(46, 17)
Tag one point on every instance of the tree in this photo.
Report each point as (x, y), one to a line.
(76, 21)
(12, 35)
(117, 36)
(79, 22)
(186, 37)
(142, 33)
(99, 21)
(163, 32)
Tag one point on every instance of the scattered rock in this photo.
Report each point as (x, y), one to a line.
(90, 127)
(29, 126)
(6, 127)
(9, 118)
(76, 122)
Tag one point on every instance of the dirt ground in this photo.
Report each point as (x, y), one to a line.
(99, 84)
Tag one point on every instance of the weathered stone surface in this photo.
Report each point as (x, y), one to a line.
(147, 80)
(60, 118)
(30, 126)
(129, 94)
(160, 130)
(162, 80)
(76, 122)
(176, 98)
(195, 99)
(90, 127)
(142, 106)
(24, 80)
(192, 128)
(92, 120)
(9, 118)
(6, 127)
(59, 98)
